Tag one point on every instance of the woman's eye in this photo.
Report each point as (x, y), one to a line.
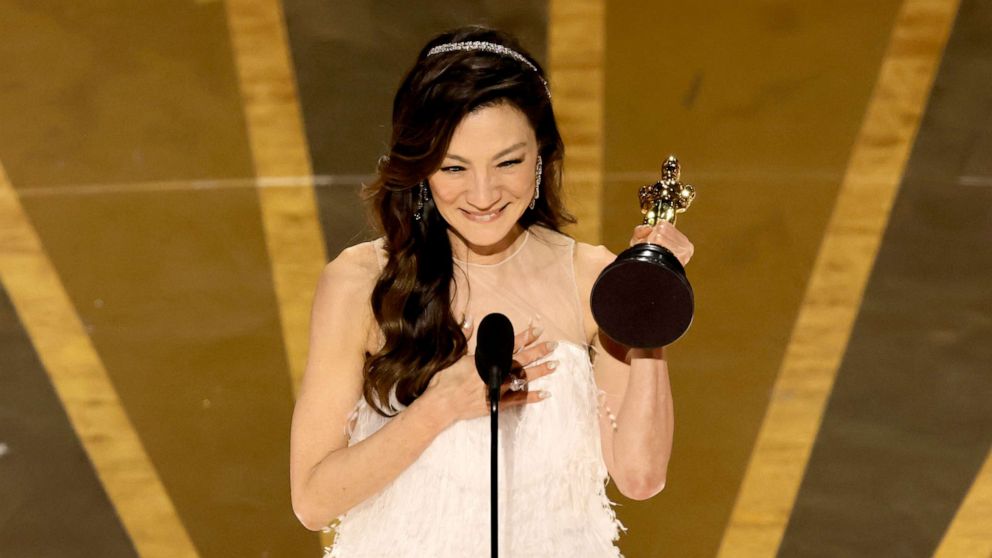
(452, 168)
(511, 162)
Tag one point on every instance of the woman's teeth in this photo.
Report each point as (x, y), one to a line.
(485, 217)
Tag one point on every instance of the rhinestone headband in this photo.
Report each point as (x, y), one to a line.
(491, 48)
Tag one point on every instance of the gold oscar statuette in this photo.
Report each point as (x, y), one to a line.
(643, 298)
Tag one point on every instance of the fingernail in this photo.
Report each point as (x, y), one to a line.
(552, 364)
(544, 394)
(536, 331)
(551, 345)
(466, 322)
(535, 321)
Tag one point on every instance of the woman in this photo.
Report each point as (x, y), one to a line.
(469, 204)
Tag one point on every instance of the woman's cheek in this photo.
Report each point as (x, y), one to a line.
(445, 190)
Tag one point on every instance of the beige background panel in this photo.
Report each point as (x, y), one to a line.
(176, 290)
(756, 89)
(836, 286)
(969, 533)
(576, 37)
(279, 150)
(761, 101)
(130, 92)
(162, 171)
(81, 381)
(135, 134)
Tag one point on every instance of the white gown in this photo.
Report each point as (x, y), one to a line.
(552, 476)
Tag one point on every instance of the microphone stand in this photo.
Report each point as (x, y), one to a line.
(493, 360)
(494, 394)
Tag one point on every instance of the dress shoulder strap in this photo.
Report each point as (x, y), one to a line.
(379, 247)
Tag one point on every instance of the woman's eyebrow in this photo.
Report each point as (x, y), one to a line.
(510, 149)
(497, 156)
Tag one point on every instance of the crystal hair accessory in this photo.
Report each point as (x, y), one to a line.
(491, 48)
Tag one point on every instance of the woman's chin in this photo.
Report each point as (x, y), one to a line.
(487, 237)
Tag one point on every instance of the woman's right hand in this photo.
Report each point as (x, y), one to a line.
(461, 394)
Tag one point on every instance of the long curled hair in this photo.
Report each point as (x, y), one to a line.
(412, 298)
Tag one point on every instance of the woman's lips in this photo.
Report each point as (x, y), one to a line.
(484, 217)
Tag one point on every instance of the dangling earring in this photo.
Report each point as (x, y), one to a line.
(422, 197)
(537, 182)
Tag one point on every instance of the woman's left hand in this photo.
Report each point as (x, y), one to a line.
(665, 234)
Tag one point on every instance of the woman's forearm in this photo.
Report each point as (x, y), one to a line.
(348, 476)
(642, 443)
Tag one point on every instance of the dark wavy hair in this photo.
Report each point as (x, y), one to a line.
(412, 298)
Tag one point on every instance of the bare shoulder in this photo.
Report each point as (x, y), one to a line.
(355, 267)
(345, 289)
(589, 263)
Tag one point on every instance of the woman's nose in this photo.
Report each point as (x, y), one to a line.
(483, 192)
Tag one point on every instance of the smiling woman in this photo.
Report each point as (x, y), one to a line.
(483, 189)
(389, 433)
(463, 103)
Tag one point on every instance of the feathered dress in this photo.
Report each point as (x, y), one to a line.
(552, 478)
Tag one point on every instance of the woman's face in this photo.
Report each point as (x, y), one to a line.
(487, 177)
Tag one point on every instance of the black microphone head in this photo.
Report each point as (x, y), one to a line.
(494, 346)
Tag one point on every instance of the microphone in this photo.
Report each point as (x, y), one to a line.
(493, 359)
(494, 352)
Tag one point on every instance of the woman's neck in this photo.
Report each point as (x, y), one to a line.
(470, 253)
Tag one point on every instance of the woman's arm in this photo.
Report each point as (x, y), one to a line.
(636, 384)
(327, 477)
(639, 395)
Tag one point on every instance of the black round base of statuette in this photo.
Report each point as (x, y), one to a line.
(643, 299)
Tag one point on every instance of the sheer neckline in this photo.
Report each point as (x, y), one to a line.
(504, 260)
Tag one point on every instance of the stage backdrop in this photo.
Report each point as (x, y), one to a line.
(174, 175)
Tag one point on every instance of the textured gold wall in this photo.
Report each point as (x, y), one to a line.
(173, 175)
